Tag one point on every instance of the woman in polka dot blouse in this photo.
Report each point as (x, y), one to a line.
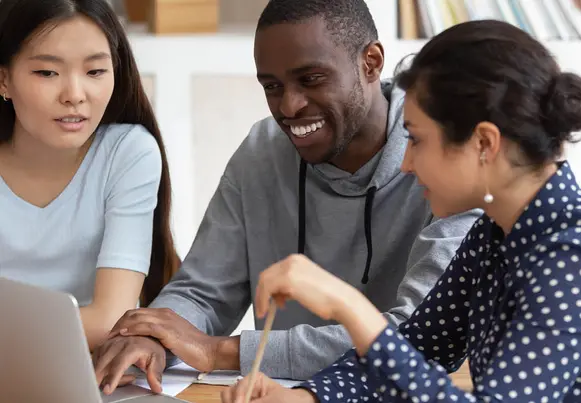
(488, 112)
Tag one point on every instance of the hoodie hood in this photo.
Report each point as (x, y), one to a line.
(384, 166)
(378, 172)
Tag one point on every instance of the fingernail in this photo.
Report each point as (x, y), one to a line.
(123, 331)
(106, 389)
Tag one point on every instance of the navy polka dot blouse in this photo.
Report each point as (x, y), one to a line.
(511, 305)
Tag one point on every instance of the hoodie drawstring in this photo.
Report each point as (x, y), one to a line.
(302, 180)
(368, 210)
(367, 219)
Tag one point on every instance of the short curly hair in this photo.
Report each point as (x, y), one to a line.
(349, 21)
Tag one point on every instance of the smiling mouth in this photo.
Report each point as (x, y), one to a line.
(71, 120)
(307, 130)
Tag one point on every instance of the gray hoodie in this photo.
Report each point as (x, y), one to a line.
(253, 221)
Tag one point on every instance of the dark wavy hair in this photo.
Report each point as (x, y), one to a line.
(492, 71)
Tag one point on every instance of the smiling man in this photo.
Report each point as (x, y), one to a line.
(321, 176)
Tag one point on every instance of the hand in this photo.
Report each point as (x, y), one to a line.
(578, 3)
(322, 293)
(184, 340)
(266, 390)
(114, 357)
(298, 278)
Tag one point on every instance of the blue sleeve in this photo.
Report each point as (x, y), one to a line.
(537, 359)
(130, 200)
(344, 381)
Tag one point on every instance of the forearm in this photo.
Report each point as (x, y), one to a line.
(97, 323)
(361, 319)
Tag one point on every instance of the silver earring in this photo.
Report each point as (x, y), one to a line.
(4, 96)
(488, 197)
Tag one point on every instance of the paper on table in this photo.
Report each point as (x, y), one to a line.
(174, 381)
(178, 378)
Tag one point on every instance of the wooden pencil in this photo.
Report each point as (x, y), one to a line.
(260, 352)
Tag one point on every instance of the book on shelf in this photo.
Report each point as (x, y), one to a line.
(543, 19)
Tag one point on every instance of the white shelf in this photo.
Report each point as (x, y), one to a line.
(231, 51)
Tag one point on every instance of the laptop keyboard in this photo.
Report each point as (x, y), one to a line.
(125, 393)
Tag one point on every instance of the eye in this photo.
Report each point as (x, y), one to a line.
(97, 72)
(45, 73)
(270, 87)
(413, 140)
(312, 79)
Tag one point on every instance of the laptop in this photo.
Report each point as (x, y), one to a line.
(44, 356)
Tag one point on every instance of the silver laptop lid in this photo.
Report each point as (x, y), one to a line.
(44, 356)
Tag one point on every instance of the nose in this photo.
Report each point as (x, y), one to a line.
(292, 102)
(73, 93)
(407, 165)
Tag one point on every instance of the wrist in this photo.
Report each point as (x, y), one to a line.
(227, 353)
(347, 305)
(361, 319)
(303, 395)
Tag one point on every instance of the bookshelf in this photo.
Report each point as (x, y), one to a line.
(544, 19)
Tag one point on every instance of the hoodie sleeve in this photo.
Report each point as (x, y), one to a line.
(211, 290)
(429, 257)
(303, 350)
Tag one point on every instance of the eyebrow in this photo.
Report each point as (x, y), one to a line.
(56, 59)
(297, 71)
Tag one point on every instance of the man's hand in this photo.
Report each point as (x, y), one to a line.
(114, 357)
(184, 340)
(266, 390)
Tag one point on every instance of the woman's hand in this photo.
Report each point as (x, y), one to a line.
(266, 390)
(298, 278)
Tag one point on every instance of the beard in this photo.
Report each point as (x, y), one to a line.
(353, 118)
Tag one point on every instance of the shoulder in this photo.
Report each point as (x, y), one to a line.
(126, 149)
(553, 261)
(266, 148)
(127, 140)
(548, 279)
(556, 219)
(561, 241)
(467, 224)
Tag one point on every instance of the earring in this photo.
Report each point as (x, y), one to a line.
(488, 197)
(4, 96)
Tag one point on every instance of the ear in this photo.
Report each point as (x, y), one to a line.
(4, 81)
(487, 139)
(373, 59)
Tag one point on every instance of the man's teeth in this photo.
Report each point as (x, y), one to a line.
(304, 131)
(71, 120)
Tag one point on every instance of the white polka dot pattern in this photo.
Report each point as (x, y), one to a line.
(512, 305)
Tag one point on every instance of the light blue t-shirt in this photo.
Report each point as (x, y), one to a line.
(103, 218)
